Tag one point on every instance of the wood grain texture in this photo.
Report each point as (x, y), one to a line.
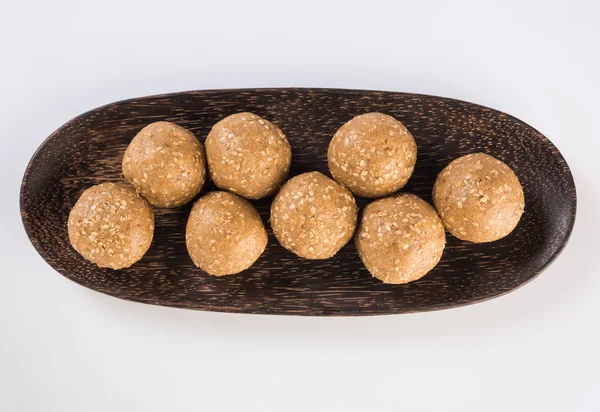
(88, 150)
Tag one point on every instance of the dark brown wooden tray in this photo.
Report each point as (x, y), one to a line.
(88, 150)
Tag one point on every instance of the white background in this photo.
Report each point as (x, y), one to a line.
(66, 348)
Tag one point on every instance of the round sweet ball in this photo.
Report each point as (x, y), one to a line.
(373, 155)
(165, 163)
(111, 225)
(313, 216)
(400, 238)
(479, 198)
(225, 234)
(248, 155)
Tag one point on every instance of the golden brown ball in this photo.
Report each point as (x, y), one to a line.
(400, 238)
(165, 163)
(479, 198)
(373, 155)
(224, 234)
(111, 225)
(248, 155)
(313, 216)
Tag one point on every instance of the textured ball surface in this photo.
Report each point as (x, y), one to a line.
(165, 163)
(111, 225)
(373, 155)
(313, 216)
(224, 234)
(400, 238)
(248, 155)
(479, 198)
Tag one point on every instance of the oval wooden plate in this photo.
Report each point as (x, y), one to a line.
(88, 150)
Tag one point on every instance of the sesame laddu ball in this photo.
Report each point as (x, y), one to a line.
(400, 238)
(111, 225)
(248, 155)
(165, 163)
(479, 198)
(224, 234)
(313, 216)
(373, 155)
